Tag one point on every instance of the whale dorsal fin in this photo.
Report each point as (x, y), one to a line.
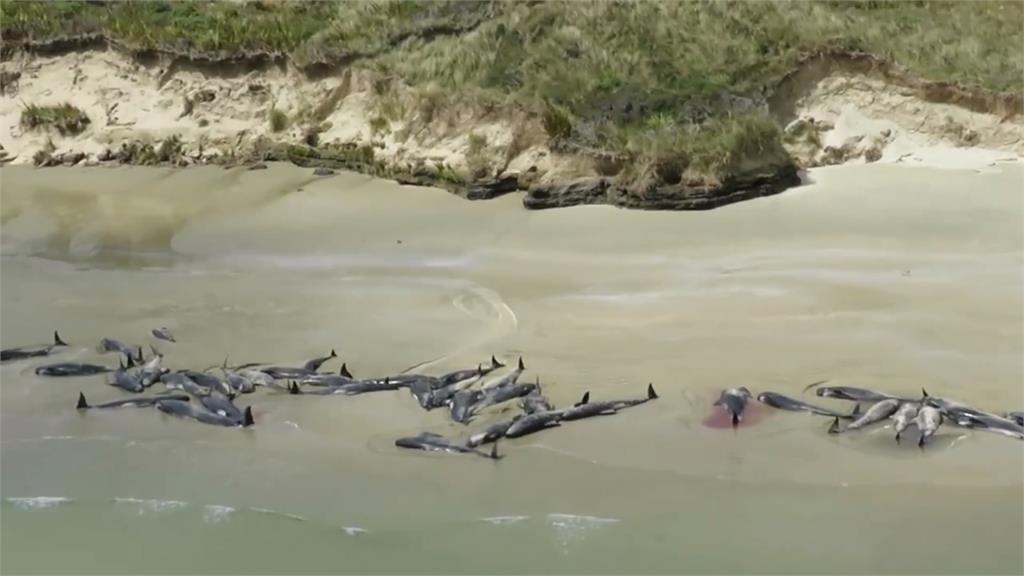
(585, 399)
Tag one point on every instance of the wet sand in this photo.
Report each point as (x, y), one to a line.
(877, 276)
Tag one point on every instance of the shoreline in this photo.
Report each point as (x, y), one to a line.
(162, 110)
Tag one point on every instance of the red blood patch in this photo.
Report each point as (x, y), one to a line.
(754, 413)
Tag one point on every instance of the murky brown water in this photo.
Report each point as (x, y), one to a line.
(882, 277)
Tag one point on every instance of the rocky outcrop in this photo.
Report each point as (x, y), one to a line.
(572, 193)
(492, 188)
(662, 197)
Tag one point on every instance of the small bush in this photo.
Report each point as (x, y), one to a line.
(278, 120)
(312, 136)
(64, 118)
(379, 125)
(169, 150)
(477, 143)
(556, 122)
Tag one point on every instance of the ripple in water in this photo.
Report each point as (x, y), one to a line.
(572, 528)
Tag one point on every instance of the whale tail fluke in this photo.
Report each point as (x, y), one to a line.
(247, 417)
(495, 363)
(82, 404)
(333, 353)
(344, 370)
(293, 388)
(494, 452)
(57, 341)
(521, 365)
(651, 394)
(834, 428)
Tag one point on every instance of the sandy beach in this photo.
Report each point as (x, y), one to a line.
(920, 285)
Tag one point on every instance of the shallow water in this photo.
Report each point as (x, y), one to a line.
(883, 277)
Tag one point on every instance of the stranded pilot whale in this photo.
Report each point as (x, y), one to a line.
(186, 410)
(432, 442)
(586, 409)
(71, 369)
(782, 402)
(734, 401)
(141, 402)
(32, 351)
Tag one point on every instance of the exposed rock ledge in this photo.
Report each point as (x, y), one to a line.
(674, 197)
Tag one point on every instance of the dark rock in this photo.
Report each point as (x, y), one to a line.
(260, 166)
(573, 193)
(72, 158)
(494, 187)
(671, 197)
(256, 88)
(321, 171)
(205, 95)
(406, 179)
(105, 156)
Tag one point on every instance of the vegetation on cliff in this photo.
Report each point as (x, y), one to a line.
(659, 92)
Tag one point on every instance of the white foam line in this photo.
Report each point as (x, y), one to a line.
(564, 519)
(47, 438)
(152, 504)
(353, 530)
(37, 502)
(215, 513)
(276, 513)
(499, 520)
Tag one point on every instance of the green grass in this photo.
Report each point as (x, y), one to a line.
(64, 118)
(278, 120)
(638, 80)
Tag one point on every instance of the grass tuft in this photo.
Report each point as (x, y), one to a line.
(661, 90)
(64, 118)
(278, 120)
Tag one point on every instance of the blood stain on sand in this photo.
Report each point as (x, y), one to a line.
(752, 415)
